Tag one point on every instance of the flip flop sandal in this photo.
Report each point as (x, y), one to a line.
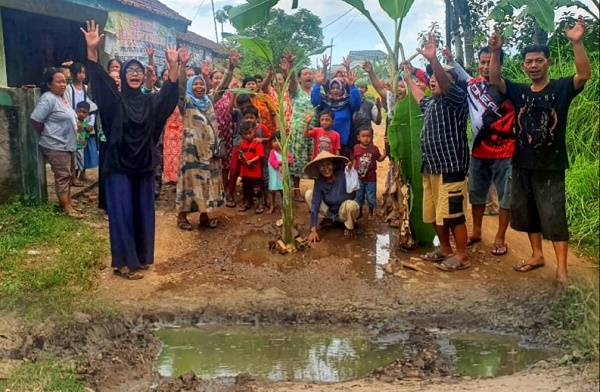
(185, 225)
(473, 241)
(453, 264)
(259, 210)
(299, 199)
(230, 204)
(144, 267)
(129, 275)
(435, 256)
(208, 223)
(499, 250)
(77, 184)
(523, 266)
(244, 208)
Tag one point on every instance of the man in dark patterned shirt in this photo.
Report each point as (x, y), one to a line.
(445, 160)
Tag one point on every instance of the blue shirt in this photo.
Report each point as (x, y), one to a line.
(332, 194)
(342, 118)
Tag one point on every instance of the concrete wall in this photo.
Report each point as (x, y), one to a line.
(22, 170)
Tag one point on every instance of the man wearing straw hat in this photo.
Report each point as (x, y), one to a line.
(329, 197)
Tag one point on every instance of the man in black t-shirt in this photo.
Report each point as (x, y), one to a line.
(540, 158)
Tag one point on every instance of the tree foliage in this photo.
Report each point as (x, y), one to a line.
(300, 32)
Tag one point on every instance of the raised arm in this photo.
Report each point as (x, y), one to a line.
(150, 53)
(234, 60)
(495, 45)
(582, 63)
(415, 91)
(377, 85)
(315, 94)
(184, 56)
(430, 53)
(287, 66)
(460, 72)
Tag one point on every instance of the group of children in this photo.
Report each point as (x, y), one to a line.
(258, 157)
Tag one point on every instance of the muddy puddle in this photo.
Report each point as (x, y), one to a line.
(325, 353)
(368, 252)
(482, 354)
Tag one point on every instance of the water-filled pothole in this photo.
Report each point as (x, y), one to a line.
(491, 355)
(273, 353)
(326, 354)
(368, 256)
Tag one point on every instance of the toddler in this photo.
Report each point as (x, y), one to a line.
(366, 156)
(275, 174)
(251, 155)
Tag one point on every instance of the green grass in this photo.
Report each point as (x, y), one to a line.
(582, 139)
(576, 311)
(46, 376)
(47, 260)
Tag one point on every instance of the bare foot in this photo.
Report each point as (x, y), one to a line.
(348, 232)
(270, 211)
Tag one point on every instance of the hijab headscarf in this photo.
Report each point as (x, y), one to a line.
(339, 102)
(200, 103)
(137, 108)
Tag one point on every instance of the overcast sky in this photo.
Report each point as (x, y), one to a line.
(350, 32)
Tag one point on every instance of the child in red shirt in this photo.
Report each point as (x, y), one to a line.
(325, 139)
(366, 156)
(251, 156)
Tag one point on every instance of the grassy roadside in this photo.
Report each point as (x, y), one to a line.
(47, 260)
(48, 375)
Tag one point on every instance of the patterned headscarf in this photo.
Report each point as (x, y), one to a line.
(201, 103)
(340, 102)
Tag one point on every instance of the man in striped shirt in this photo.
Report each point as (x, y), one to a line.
(445, 160)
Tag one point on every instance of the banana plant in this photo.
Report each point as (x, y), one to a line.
(260, 47)
(254, 11)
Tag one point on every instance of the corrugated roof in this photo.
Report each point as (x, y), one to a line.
(157, 8)
(198, 40)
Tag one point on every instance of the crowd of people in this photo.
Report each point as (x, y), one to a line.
(194, 128)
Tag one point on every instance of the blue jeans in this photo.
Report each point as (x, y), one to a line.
(368, 189)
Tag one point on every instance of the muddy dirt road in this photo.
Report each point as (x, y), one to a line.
(227, 275)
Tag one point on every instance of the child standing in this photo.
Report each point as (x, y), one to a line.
(262, 135)
(251, 155)
(242, 101)
(275, 174)
(83, 110)
(325, 138)
(366, 156)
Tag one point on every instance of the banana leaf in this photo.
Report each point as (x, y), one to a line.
(404, 134)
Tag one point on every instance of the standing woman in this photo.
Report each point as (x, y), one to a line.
(300, 147)
(133, 123)
(77, 92)
(56, 122)
(200, 183)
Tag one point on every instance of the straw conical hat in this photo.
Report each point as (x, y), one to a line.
(312, 168)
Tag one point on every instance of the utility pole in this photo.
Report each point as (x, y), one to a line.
(212, 2)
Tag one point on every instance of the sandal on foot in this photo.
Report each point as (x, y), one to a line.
(76, 184)
(73, 214)
(144, 267)
(523, 266)
(244, 208)
(453, 264)
(129, 275)
(184, 225)
(208, 223)
(230, 204)
(299, 199)
(472, 241)
(259, 210)
(434, 256)
(499, 250)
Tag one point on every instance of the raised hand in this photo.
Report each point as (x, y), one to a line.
(149, 71)
(308, 116)
(495, 41)
(184, 55)
(447, 54)
(289, 57)
(234, 60)
(172, 55)
(575, 34)
(319, 77)
(351, 78)
(150, 50)
(367, 66)
(407, 67)
(430, 49)
(92, 38)
(326, 61)
(284, 66)
(387, 85)
(346, 62)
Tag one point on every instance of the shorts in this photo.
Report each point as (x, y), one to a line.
(538, 203)
(251, 188)
(444, 199)
(484, 172)
(60, 162)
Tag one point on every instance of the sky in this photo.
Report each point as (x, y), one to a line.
(351, 32)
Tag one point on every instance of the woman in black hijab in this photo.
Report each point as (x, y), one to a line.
(132, 124)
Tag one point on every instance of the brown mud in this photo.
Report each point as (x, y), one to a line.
(228, 275)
